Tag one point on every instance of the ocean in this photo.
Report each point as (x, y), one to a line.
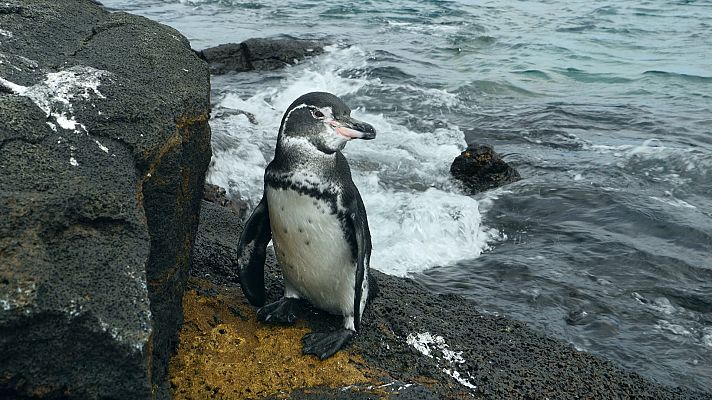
(604, 107)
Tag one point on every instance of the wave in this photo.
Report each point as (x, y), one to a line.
(591, 77)
(389, 73)
(534, 73)
(476, 88)
(679, 75)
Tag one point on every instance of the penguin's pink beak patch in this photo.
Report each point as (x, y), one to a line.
(349, 133)
(351, 128)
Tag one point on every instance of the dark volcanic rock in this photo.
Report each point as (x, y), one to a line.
(216, 194)
(215, 252)
(480, 168)
(439, 346)
(259, 54)
(104, 144)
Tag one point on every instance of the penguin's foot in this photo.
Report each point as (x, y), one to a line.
(326, 344)
(280, 312)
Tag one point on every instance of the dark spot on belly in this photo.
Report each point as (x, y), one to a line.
(284, 230)
(282, 208)
(309, 220)
(307, 243)
(301, 230)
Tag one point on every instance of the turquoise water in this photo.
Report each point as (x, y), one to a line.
(604, 107)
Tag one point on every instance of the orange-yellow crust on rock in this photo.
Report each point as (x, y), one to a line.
(224, 356)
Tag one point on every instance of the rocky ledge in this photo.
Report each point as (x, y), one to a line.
(414, 345)
(104, 143)
(259, 54)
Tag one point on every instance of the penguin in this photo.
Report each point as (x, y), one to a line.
(314, 215)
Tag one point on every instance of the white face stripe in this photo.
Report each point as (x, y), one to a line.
(327, 111)
(284, 124)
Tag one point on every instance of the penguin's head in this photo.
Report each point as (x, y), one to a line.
(323, 120)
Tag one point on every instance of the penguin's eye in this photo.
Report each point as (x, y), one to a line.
(317, 114)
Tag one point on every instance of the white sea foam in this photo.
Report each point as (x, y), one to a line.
(674, 202)
(418, 218)
(707, 337)
(414, 230)
(660, 161)
(675, 329)
(429, 29)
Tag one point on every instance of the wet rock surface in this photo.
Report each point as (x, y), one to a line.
(414, 345)
(259, 54)
(480, 168)
(104, 144)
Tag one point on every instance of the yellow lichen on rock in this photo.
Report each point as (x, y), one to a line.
(225, 353)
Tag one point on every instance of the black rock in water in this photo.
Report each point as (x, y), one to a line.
(480, 168)
(259, 54)
(104, 143)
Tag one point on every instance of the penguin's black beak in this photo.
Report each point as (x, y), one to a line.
(352, 128)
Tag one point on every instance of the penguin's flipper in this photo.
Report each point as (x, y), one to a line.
(326, 344)
(359, 223)
(251, 254)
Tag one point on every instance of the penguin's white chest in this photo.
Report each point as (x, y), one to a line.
(312, 250)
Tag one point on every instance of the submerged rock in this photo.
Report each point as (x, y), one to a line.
(480, 168)
(414, 344)
(259, 54)
(104, 143)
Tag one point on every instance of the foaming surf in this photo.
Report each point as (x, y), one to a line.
(418, 218)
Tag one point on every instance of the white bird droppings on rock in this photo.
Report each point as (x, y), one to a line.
(421, 342)
(456, 375)
(429, 345)
(55, 93)
(4, 33)
(102, 147)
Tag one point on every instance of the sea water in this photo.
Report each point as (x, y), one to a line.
(604, 107)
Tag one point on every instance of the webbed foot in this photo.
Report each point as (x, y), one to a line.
(280, 312)
(326, 344)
